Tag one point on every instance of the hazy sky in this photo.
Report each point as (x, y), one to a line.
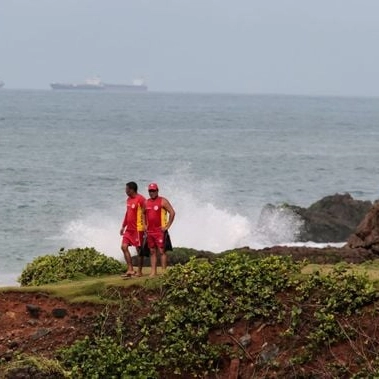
(265, 46)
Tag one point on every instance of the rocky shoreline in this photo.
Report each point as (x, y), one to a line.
(36, 323)
(332, 219)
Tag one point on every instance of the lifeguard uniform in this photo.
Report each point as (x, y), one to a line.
(133, 234)
(156, 219)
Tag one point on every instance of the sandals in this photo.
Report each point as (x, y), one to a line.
(128, 275)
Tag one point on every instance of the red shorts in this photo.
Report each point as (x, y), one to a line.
(155, 239)
(132, 238)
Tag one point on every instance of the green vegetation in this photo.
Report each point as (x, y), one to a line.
(201, 296)
(196, 298)
(162, 327)
(70, 264)
(34, 367)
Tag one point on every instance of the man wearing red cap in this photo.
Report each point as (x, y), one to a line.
(157, 225)
(132, 228)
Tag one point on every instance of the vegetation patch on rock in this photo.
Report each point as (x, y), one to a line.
(261, 317)
(193, 326)
(69, 264)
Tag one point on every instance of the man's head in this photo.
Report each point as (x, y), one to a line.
(153, 190)
(131, 188)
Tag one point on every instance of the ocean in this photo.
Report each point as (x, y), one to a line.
(218, 158)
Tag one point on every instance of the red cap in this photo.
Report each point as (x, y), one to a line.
(153, 186)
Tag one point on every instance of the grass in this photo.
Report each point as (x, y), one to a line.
(92, 290)
(370, 268)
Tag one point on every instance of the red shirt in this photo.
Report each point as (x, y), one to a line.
(133, 215)
(156, 215)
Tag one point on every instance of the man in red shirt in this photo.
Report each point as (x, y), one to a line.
(157, 225)
(132, 228)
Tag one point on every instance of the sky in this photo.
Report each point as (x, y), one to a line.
(323, 47)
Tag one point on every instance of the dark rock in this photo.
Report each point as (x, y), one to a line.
(331, 219)
(269, 352)
(8, 355)
(326, 255)
(13, 345)
(366, 235)
(33, 310)
(245, 340)
(40, 333)
(59, 312)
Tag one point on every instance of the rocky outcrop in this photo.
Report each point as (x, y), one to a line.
(367, 233)
(326, 255)
(331, 219)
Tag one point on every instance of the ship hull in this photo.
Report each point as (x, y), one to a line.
(102, 86)
(125, 87)
(76, 86)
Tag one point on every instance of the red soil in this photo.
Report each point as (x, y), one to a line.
(43, 333)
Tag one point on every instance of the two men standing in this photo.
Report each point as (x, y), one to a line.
(153, 216)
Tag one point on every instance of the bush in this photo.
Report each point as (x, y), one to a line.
(170, 336)
(103, 357)
(68, 265)
(179, 255)
(34, 367)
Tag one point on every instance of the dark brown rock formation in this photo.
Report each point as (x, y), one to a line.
(367, 233)
(331, 219)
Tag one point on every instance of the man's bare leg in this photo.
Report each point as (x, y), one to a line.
(164, 259)
(153, 260)
(140, 261)
(128, 260)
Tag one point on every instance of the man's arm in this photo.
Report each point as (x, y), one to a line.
(168, 207)
(143, 209)
(123, 224)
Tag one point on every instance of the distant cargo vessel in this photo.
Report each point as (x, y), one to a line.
(1, 84)
(138, 85)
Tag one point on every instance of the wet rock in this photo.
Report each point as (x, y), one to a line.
(59, 312)
(366, 235)
(331, 219)
(34, 310)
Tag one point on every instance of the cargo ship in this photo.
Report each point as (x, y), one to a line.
(1, 83)
(138, 85)
(89, 84)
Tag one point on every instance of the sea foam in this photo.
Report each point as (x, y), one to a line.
(201, 225)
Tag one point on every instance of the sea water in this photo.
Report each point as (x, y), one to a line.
(218, 158)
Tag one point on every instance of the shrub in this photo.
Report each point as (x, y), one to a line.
(105, 358)
(179, 255)
(172, 335)
(68, 265)
(34, 367)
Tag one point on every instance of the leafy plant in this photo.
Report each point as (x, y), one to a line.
(102, 358)
(172, 337)
(68, 265)
(26, 366)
